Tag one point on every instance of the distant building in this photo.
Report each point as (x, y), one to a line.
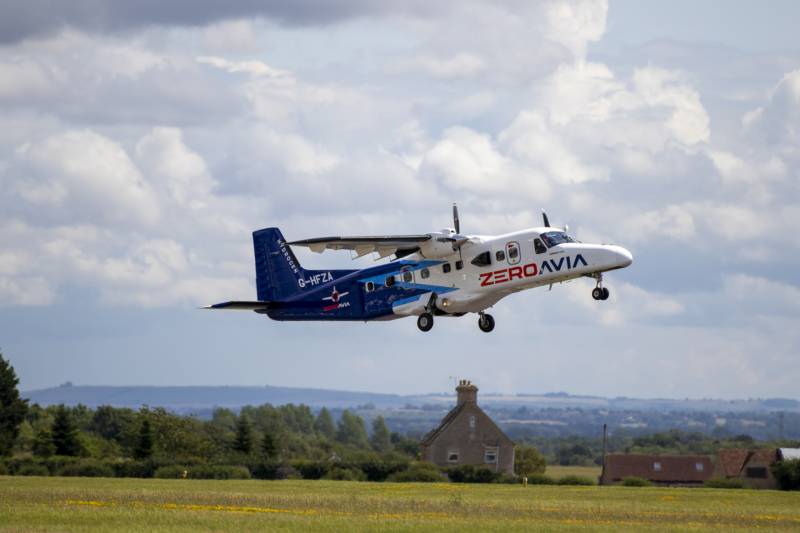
(467, 436)
(671, 470)
(753, 467)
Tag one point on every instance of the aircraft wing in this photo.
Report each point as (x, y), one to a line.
(384, 245)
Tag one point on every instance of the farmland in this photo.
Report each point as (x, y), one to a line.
(94, 504)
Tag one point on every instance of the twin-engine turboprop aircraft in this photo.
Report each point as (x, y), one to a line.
(441, 273)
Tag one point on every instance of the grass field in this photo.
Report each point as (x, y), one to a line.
(556, 471)
(94, 504)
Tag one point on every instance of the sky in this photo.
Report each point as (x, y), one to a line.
(142, 143)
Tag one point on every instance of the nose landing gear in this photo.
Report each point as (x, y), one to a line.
(600, 292)
(485, 322)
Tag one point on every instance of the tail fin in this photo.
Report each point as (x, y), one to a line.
(277, 270)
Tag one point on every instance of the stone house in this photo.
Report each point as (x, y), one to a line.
(670, 470)
(467, 436)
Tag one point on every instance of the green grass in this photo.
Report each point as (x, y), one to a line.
(108, 505)
(556, 471)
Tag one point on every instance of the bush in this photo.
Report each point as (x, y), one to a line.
(575, 480)
(139, 469)
(722, 483)
(633, 481)
(540, 479)
(378, 469)
(32, 469)
(170, 472)
(311, 469)
(3, 469)
(787, 474)
(87, 468)
(340, 473)
(471, 474)
(420, 472)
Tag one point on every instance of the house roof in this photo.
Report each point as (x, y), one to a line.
(453, 415)
(763, 455)
(446, 421)
(731, 461)
(673, 468)
(788, 454)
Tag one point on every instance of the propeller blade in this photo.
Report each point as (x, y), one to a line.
(544, 217)
(456, 224)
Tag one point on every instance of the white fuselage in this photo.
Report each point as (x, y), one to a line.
(515, 262)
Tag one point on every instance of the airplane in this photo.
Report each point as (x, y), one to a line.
(443, 273)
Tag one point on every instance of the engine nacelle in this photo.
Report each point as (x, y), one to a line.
(437, 247)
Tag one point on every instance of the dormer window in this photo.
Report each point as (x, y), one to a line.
(657, 466)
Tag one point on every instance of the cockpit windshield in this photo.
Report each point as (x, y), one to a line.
(552, 238)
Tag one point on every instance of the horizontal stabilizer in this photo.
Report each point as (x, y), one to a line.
(241, 306)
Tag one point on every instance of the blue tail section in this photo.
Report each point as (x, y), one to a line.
(278, 272)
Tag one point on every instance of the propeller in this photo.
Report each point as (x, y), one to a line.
(456, 224)
(546, 221)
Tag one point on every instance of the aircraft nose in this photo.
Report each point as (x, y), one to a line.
(622, 256)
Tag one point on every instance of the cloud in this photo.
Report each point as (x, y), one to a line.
(86, 175)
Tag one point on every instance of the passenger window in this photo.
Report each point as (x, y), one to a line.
(512, 251)
(500, 255)
(407, 276)
(538, 246)
(370, 286)
(446, 268)
(482, 259)
(459, 264)
(425, 273)
(389, 281)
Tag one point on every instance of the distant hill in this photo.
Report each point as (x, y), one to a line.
(187, 399)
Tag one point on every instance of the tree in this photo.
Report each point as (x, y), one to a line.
(269, 448)
(144, 442)
(12, 407)
(351, 430)
(43, 443)
(324, 424)
(244, 435)
(528, 461)
(381, 439)
(65, 434)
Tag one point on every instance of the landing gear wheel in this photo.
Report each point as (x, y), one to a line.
(425, 321)
(486, 323)
(605, 294)
(597, 293)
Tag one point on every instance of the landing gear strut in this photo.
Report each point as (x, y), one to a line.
(425, 321)
(485, 322)
(600, 292)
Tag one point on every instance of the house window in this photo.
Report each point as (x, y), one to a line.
(425, 273)
(452, 456)
(759, 472)
(472, 421)
(500, 255)
(657, 466)
(446, 268)
(370, 286)
(698, 467)
(490, 455)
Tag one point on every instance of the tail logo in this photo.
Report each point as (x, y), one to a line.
(335, 298)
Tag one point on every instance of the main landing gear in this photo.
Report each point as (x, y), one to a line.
(600, 292)
(425, 321)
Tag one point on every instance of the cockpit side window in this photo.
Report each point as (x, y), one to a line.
(554, 238)
(482, 259)
(538, 246)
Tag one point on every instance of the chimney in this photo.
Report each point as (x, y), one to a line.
(467, 392)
